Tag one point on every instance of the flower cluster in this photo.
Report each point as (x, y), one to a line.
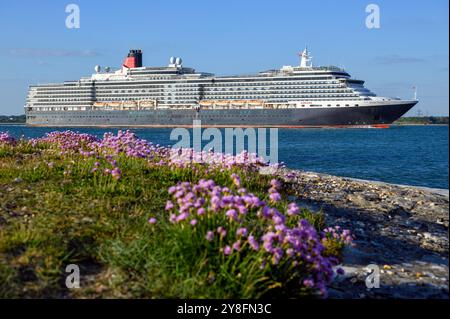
(186, 156)
(67, 141)
(238, 222)
(275, 186)
(128, 144)
(336, 233)
(5, 138)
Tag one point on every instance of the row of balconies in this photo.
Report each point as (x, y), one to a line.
(336, 88)
(177, 83)
(207, 87)
(211, 96)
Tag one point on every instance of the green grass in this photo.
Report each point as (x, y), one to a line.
(54, 211)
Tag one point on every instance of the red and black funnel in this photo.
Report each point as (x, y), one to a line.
(133, 59)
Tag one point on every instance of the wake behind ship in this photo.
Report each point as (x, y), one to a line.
(293, 96)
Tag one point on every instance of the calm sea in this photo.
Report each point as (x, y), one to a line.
(410, 155)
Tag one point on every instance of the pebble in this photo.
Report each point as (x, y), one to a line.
(406, 225)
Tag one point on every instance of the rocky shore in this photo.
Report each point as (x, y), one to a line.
(401, 229)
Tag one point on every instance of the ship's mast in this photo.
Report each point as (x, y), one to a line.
(415, 92)
(305, 59)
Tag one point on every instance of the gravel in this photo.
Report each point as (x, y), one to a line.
(402, 230)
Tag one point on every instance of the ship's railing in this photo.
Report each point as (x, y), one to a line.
(327, 68)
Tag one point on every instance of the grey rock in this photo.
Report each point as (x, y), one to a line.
(403, 227)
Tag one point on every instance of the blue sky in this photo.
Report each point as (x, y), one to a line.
(230, 37)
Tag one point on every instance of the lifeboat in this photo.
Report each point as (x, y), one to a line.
(129, 104)
(147, 103)
(99, 104)
(255, 102)
(238, 103)
(222, 103)
(114, 105)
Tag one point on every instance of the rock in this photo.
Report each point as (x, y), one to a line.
(403, 230)
(429, 236)
(372, 196)
(357, 200)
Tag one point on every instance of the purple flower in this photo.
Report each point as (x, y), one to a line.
(242, 210)
(289, 252)
(241, 231)
(179, 193)
(275, 184)
(227, 250)
(237, 245)
(290, 175)
(5, 138)
(182, 217)
(152, 220)
(209, 235)
(253, 242)
(275, 197)
(236, 179)
(231, 213)
(221, 231)
(277, 255)
(266, 212)
(172, 189)
(169, 205)
(193, 222)
(278, 218)
(293, 209)
(199, 202)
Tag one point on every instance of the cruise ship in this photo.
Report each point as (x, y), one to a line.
(175, 96)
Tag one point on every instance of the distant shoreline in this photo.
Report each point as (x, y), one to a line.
(419, 124)
(423, 120)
